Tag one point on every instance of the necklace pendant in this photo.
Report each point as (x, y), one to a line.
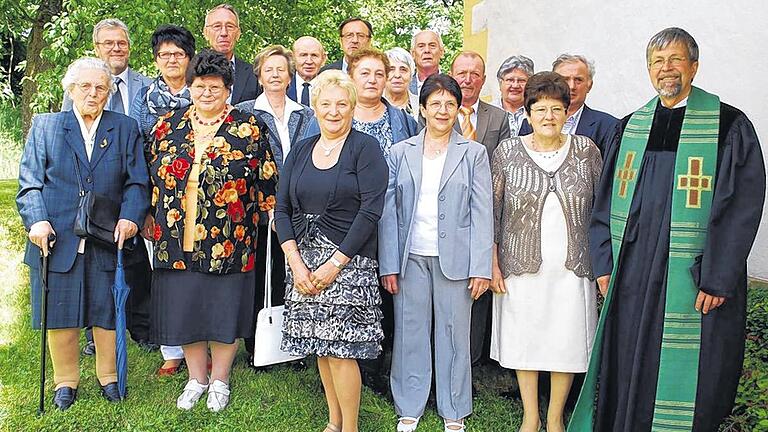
(327, 152)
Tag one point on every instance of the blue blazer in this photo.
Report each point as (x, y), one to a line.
(291, 92)
(48, 187)
(403, 125)
(465, 204)
(597, 125)
(298, 122)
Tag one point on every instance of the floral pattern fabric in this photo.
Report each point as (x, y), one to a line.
(238, 177)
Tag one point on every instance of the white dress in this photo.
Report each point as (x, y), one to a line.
(546, 321)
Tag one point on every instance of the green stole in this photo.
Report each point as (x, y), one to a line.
(695, 167)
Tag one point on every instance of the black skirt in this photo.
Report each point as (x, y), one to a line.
(190, 306)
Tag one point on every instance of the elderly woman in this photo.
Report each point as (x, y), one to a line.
(330, 199)
(435, 242)
(401, 68)
(544, 311)
(287, 121)
(212, 171)
(513, 74)
(173, 46)
(85, 149)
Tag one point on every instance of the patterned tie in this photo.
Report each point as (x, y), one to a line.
(570, 125)
(117, 98)
(305, 94)
(466, 123)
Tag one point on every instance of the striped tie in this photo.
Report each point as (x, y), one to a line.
(466, 123)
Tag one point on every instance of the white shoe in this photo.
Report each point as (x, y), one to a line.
(453, 425)
(218, 395)
(191, 394)
(402, 426)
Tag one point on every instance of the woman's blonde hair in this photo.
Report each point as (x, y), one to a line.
(270, 51)
(333, 78)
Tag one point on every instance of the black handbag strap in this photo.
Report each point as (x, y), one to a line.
(77, 173)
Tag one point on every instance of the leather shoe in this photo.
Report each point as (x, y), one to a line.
(89, 349)
(147, 345)
(111, 392)
(64, 397)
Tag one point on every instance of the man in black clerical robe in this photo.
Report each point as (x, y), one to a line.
(629, 359)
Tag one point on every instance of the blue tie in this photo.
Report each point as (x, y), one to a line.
(117, 98)
(305, 94)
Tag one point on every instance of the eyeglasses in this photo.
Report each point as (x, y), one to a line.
(350, 36)
(511, 81)
(659, 62)
(542, 111)
(218, 27)
(200, 89)
(166, 55)
(87, 87)
(110, 44)
(449, 106)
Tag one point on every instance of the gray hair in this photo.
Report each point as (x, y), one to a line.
(398, 54)
(669, 36)
(83, 63)
(439, 38)
(224, 6)
(521, 62)
(110, 23)
(571, 58)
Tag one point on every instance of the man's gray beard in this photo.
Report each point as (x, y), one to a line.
(667, 93)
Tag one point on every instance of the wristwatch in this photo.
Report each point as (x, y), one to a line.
(336, 263)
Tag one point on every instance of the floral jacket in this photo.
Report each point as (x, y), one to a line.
(238, 177)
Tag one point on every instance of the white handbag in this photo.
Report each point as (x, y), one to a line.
(269, 324)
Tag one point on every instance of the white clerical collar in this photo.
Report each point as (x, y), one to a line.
(262, 103)
(681, 104)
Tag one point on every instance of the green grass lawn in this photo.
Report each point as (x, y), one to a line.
(278, 400)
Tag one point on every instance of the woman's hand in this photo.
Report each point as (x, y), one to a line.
(389, 282)
(301, 275)
(478, 286)
(602, 284)
(148, 230)
(124, 230)
(497, 280)
(324, 276)
(39, 233)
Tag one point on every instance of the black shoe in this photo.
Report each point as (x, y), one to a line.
(147, 345)
(111, 392)
(89, 349)
(298, 365)
(64, 397)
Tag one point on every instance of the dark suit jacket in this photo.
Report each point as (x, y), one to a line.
(49, 190)
(246, 86)
(597, 125)
(492, 126)
(335, 65)
(291, 92)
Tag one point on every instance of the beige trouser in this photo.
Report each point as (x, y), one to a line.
(65, 356)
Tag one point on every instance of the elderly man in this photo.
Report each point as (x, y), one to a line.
(222, 31)
(675, 216)
(487, 125)
(112, 43)
(309, 56)
(354, 33)
(427, 50)
(513, 74)
(66, 154)
(579, 72)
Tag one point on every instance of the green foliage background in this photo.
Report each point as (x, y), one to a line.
(263, 22)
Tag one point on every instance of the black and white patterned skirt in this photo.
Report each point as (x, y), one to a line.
(344, 320)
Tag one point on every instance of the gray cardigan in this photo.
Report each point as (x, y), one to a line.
(520, 188)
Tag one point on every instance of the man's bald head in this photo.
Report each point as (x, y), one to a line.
(309, 55)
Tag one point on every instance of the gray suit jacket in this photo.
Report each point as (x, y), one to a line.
(465, 222)
(134, 81)
(492, 126)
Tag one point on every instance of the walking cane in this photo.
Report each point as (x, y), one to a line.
(44, 321)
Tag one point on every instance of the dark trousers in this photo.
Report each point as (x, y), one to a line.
(376, 371)
(278, 276)
(480, 334)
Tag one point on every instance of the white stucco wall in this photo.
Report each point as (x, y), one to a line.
(732, 38)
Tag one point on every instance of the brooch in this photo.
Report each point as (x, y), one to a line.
(104, 143)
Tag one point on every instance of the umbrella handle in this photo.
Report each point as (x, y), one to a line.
(119, 257)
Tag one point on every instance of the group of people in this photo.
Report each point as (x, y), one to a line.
(412, 217)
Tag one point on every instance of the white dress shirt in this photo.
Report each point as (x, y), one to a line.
(262, 103)
(300, 88)
(473, 117)
(89, 136)
(572, 122)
